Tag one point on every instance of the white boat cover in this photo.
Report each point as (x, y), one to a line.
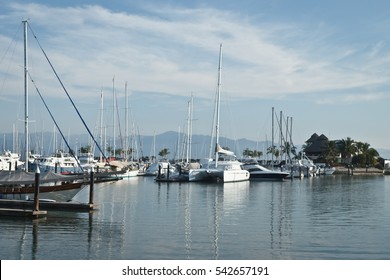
(220, 150)
(23, 177)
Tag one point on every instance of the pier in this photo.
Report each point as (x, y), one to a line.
(11, 205)
(38, 207)
(21, 212)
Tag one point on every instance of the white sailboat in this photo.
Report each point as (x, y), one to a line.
(19, 184)
(228, 169)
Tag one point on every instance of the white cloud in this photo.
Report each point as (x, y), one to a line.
(175, 51)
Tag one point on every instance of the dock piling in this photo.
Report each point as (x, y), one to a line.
(91, 186)
(36, 190)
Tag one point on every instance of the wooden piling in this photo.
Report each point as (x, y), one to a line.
(36, 190)
(91, 186)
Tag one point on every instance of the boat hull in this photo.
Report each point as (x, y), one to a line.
(268, 176)
(60, 192)
(217, 175)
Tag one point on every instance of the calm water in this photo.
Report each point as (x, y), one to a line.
(335, 217)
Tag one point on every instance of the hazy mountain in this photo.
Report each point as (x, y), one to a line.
(142, 145)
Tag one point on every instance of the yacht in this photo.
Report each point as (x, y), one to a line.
(259, 172)
(224, 169)
(58, 162)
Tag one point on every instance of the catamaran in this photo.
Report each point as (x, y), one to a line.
(224, 167)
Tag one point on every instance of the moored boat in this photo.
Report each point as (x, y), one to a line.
(20, 184)
(259, 172)
(229, 169)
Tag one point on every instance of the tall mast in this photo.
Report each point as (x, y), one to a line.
(113, 114)
(188, 132)
(218, 103)
(272, 138)
(26, 144)
(126, 123)
(101, 124)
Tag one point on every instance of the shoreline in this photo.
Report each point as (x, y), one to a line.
(358, 171)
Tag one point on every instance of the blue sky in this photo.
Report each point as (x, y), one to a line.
(326, 64)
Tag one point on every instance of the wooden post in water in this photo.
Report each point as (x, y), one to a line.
(159, 171)
(91, 185)
(36, 190)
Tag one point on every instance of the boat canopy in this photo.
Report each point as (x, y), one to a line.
(23, 177)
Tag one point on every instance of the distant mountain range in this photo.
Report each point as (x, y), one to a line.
(143, 145)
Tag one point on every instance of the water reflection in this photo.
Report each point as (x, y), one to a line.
(314, 218)
(281, 207)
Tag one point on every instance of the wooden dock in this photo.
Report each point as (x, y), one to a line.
(21, 212)
(27, 205)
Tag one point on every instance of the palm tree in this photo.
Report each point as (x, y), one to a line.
(273, 151)
(257, 154)
(368, 154)
(331, 153)
(250, 153)
(348, 149)
(247, 153)
(163, 153)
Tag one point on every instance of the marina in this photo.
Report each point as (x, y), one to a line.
(97, 193)
(326, 217)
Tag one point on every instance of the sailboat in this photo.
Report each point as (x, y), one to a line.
(229, 169)
(19, 181)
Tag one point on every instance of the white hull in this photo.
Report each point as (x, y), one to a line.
(129, 173)
(235, 176)
(225, 172)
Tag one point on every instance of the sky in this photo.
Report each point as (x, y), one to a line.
(325, 64)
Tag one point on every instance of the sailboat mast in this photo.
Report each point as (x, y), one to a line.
(113, 115)
(126, 123)
(188, 131)
(190, 134)
(26, 144)
(101, 125)
(272, 138)
(218, 103)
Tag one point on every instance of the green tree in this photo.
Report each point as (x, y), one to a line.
(247, 153)
(86, 149)
(348, 149)
(366, 155)
(330, 155)
(273, 151)
(250, 153)
(257, 154)
(163, 153)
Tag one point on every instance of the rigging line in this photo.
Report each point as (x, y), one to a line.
(52, 117)
(63, 87)
(119, 122)
(14, 42)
